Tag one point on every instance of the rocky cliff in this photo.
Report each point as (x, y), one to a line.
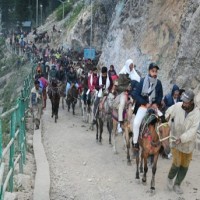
(163, 31)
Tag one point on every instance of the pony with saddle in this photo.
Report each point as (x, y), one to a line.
(154, 133)
(54, 90)
(72, 97)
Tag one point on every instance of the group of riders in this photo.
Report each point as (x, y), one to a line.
(147, 92)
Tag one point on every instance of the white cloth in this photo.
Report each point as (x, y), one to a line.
(100, 93)
(133, 75)
(137, 122)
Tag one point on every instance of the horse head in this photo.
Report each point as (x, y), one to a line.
(163, 131)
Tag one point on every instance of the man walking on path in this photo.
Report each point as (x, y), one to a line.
(36, 103)
(185, 119)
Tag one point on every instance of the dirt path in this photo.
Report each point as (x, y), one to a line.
(81, 169)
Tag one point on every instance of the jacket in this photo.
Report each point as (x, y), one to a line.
(143, 100)
(71, 77)
(168, 99)
(183, 127)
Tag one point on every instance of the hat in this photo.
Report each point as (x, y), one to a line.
(187, 96)
(153, 65)
(104, 70)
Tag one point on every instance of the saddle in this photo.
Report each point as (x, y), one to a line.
(150, 118)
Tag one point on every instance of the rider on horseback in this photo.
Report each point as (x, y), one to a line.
(92, 81)
(104, 85)
(71, 78)
(126, 75)
(149, 93)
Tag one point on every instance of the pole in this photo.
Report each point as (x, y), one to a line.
(41, 6)
(91, 28)
(63, 3)
(91, 32)
(36, 13)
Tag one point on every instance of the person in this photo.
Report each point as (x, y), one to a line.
(60, 75)
(172, 98)
(36, 103)
(184, 123)
(103, 85)
(92, 81)
(126, 76)
(148, 94)
(44, 83)
(52, 73)
(112, 73)
(71, 78)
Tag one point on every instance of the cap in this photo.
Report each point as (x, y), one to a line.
(153, 65)
(187, 96)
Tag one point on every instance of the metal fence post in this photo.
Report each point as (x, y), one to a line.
(12, 149)
(1, 139)
(20, 136)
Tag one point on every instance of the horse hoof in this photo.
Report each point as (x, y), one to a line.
(129, 163)
(144, 180)
(152, 191)
(137, 176)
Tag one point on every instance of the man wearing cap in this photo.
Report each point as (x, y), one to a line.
(184, 122)
(148, 94)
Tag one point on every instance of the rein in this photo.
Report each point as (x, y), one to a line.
(173, 138)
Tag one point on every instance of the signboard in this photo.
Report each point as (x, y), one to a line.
(89, 53)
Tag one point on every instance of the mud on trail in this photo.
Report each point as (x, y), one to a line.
(82, 169)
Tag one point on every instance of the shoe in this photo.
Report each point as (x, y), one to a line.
(177, 189)
(170, 184)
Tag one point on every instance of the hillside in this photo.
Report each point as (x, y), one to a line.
(166, 32)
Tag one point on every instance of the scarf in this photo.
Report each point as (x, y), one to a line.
(100, 93)
(91, 82)
(148, 88)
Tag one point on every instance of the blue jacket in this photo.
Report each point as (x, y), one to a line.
(168, 99)
(143, 100)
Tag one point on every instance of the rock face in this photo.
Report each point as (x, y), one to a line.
(165, 32)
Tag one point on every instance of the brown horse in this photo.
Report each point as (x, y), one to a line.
(153, 135)
(54, 95)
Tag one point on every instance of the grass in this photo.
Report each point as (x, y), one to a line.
(68, 6)
(74, 15)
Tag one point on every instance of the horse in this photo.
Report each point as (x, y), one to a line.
(54, 96)
(87, 107)
(154, 133)
(127, 131)
(127, 118)
(72, 97)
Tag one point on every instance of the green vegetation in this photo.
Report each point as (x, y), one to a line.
(74, 15)
(68, 6)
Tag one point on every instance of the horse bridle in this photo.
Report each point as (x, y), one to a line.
(173, 138)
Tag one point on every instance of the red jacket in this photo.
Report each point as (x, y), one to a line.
(91, 87)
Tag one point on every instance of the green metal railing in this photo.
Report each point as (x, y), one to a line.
(16, 147)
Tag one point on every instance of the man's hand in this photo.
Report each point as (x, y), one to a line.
(178, 141)
(154, 106)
